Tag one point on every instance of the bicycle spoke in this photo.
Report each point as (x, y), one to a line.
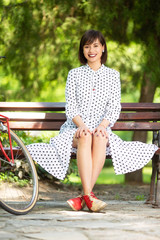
(18, 183)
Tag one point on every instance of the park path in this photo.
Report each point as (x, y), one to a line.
(53, 220)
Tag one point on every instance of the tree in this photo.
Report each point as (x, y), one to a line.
(35, 37)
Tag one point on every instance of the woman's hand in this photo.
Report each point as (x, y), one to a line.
(82, 129)
(100, 130)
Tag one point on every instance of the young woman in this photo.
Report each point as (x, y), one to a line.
(92, 107)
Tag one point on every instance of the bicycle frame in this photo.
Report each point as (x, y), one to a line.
(6, 120)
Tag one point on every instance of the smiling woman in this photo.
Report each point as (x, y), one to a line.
(92, 45)
(93, 95)
(93, 53)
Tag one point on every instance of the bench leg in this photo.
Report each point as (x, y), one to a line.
(157, 195)
(151, 198)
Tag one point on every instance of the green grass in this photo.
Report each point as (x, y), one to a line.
(147, 171)
(140, 197)
(108, 176)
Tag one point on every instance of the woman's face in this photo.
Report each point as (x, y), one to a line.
(93, 52)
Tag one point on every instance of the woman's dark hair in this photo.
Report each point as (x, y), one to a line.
(89, 37)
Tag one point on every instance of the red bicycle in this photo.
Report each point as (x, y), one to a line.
(18, 175)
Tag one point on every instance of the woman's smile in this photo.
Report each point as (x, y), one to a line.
(93, 52)
(92, 55)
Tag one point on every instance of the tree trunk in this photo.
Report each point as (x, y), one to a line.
(147, 95)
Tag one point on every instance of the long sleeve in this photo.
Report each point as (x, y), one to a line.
(113, 107)
(70, 94)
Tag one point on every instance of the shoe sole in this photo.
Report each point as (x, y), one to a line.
(99, 209)
(72, 206)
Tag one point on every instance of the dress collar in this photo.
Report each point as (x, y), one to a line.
(102, 67)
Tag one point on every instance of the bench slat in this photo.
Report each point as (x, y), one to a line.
(147, 116)
(140, 106)
(30, 116)
(125, 126)
(136, 126)
(60, 106)
(32, 106)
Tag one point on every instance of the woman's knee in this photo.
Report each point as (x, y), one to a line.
(85, 138)
(100, 138)
(75, 142)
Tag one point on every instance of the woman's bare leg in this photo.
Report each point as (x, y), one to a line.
(99, 144)
(84, 160)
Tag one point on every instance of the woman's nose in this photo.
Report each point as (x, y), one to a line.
(90, 48)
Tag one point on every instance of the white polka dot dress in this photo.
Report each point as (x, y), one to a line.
(94, 95)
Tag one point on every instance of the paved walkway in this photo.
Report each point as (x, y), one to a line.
(55, 221)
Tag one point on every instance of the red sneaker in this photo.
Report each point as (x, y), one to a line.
(93, 203)
(77, 203)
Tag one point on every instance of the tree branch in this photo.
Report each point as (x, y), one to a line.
(11, 6)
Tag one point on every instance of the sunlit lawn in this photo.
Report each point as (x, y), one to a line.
(108, 176)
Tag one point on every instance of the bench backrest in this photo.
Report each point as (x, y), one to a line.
(51, 115)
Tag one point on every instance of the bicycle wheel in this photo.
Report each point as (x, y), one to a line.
(18, 183)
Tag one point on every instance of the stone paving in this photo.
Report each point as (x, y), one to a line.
(53, 220)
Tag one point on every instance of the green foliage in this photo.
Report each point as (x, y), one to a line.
(107, 176)
(140, 197)
(38, 51)
(41, 38)
(3, 136)
(12, 178)
(27, 138)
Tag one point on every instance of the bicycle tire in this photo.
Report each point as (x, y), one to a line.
(24, 198)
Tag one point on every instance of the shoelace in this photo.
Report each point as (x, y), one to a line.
(80, 196)
(92, 195)
(89, 202)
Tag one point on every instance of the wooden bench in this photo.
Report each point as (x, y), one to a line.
(51, 115)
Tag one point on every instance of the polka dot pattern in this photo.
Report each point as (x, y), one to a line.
(94, 95)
